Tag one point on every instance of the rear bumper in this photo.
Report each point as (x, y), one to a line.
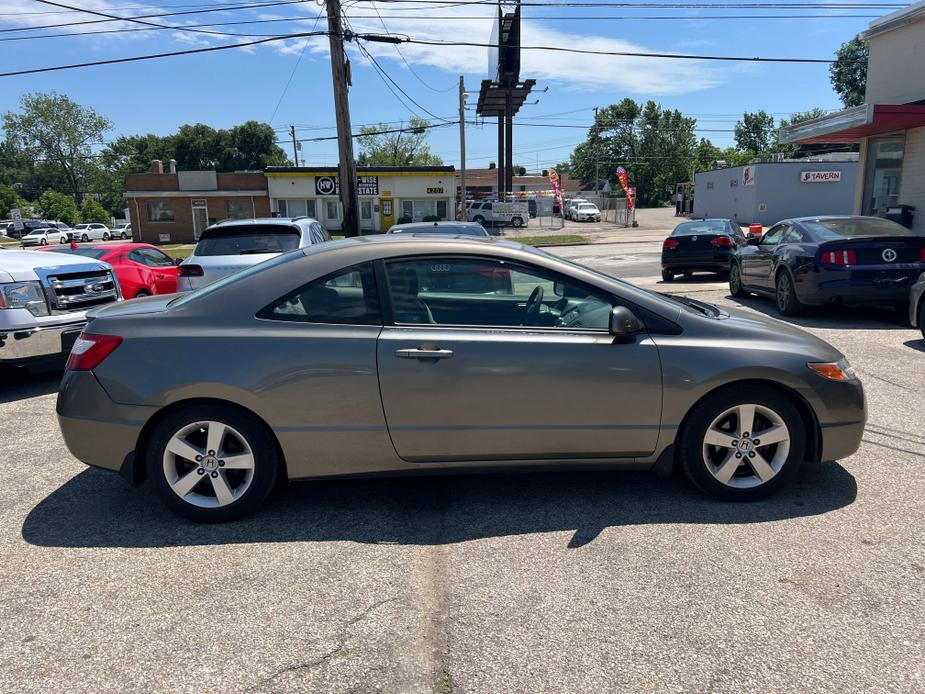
(97, 430)
(715, 262)
(859, 286)
(38, 342)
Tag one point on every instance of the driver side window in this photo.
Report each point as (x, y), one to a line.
(774, 235)
(492, 293)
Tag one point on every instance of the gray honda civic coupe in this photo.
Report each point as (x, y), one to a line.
(429, 354)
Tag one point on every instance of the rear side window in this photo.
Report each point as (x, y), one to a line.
(347, 296)
(248, 239)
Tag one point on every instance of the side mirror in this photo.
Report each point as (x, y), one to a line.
(754, 240)
(558, 289)
(624, 322)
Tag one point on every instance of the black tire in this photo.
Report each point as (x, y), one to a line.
(478, 219)
(690, 441)
(785, 295)
(735, 282)
(123, 236)
(106, 236)
(667, 276)
(142, 292)
(43, 242)
(260, 440)
(84, 238)
(517, 222)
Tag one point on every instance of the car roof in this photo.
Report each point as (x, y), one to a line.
(282, 221)
(442, 223)
(826, 217)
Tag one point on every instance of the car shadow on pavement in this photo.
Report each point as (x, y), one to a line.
(97, 509)
(916, 344)
(19, 384)
(834, 316)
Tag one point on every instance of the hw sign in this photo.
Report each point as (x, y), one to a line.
(820, 176)
(329, 185)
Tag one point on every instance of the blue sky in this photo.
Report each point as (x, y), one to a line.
(228, 87)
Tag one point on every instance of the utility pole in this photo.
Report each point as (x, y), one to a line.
(597, 158)
(462, 149)
(295, 146)
(347, 168)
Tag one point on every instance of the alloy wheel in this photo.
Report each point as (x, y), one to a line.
(783, 292)
(735, 281)
(746, 446)
(208, 464)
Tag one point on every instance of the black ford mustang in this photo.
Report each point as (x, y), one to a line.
(700, 245)
(817, 260)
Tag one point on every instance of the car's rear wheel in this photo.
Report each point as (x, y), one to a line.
(667, 276)
(742, 443)
(735, 282)
(478, 219)
(211, 463)
(43, 242)
(106, 236)
(786, 295)
(142, 292)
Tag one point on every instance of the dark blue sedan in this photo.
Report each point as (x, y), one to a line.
(818, 260)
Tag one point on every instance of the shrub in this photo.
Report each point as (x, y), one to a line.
(404, 220)
(431, 218)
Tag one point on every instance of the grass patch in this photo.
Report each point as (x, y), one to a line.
(177, 250)
(555, 240)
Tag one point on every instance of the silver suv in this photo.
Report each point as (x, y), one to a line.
(233, 245)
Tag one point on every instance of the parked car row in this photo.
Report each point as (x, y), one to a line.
(807, 261)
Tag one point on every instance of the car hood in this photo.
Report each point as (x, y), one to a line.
(20, 266)
(749, 327)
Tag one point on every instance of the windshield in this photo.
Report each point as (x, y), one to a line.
(706, 226)
(462, 229)
(248, 239)
(94, 253)
(587, 207)
(236, 277)
(82, 226)
(856, 227)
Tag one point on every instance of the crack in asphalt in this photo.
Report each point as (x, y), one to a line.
(322, 659)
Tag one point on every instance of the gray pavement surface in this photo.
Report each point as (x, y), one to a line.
(578, 582)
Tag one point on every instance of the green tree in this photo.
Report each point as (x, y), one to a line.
(10, 199)
(756, 133)
(657, 147)
(405, 148)
(58, 130)
(848, 73)
(250, 146)
(92, 211)
(58, 206)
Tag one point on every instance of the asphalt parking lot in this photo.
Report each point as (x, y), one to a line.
(578, 582)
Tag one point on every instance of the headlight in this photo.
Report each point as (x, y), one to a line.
(27, 295)
(834, 370)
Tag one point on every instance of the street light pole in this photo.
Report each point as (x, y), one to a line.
(346, 169)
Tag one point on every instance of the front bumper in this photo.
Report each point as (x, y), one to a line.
(97, 430)
(916, 295)
(38, 342)
(841, 411)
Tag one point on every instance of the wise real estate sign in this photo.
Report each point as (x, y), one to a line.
(820, 176)
(329, 185)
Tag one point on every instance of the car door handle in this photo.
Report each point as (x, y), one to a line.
(416, 353)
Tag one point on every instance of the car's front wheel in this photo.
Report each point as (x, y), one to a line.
(517, 222)
(84, 238)
(478, 219)
(211, 463)
(123, 236)
(735, 282)
(742, 442)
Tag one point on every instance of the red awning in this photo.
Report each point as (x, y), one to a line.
(854, 124)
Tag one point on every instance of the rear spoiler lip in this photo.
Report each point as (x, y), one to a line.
(919, 240)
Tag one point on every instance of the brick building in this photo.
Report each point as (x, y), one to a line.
(175, 207)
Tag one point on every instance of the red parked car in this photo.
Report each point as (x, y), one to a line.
(142, 269)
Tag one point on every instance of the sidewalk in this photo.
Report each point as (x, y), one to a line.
(654, 225)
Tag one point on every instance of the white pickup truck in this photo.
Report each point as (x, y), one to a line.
(44, 298)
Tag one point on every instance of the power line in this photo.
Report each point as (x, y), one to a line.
(295, 67)
(152, 56)
(325, 138)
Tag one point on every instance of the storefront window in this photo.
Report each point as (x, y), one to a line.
(418, 209)
(161, 211)
(883, 174)
(330, 209)
(239, 208)
(295, 208)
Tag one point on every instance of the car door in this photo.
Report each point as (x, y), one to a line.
(162, 267)
(465, 374)
(757, 265)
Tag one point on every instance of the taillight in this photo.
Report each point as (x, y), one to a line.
(922, 255)
(89, 350)
(840, 257)
(189, 270)
(721, 242)
(670, 244)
